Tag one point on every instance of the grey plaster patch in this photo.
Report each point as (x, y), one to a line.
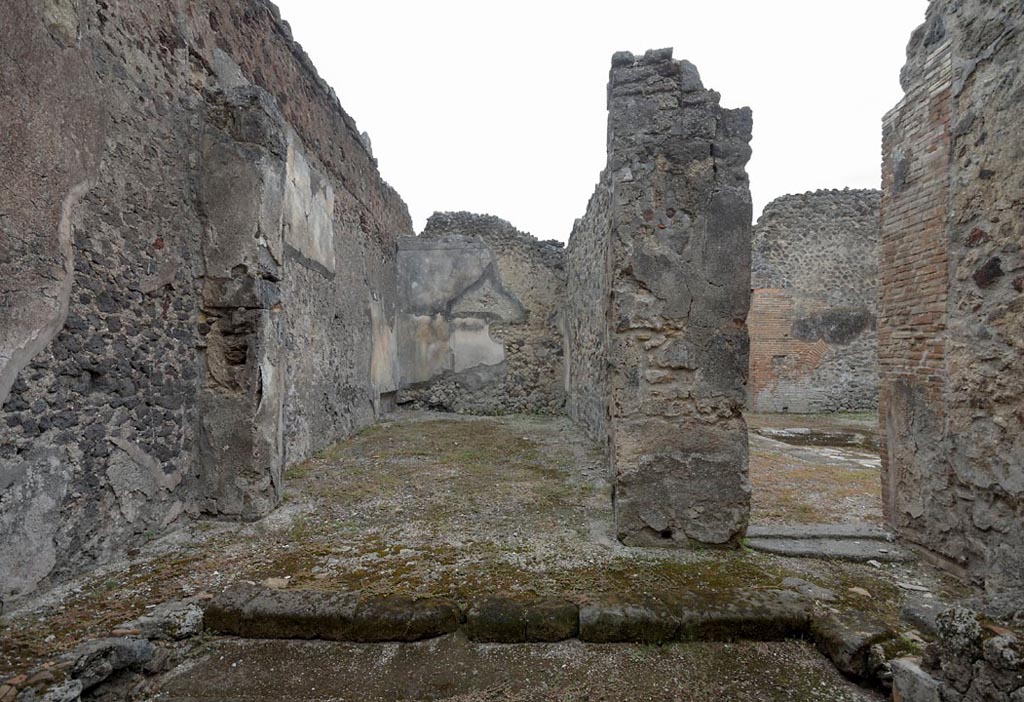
(29, 327)
(39, 483)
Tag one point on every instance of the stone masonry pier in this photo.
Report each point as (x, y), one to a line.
(659, 288)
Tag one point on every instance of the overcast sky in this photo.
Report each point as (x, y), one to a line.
(500, 107)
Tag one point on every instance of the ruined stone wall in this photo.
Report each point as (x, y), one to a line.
(478, 331)
(952, 303)
(813, 341)
(673, 211)
(185, 207)
(585, 322)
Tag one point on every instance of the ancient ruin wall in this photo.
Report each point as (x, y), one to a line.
(585, 321)
(673, 212)
(190, 206)
(478, 330)
(813, 341)
(952, 302)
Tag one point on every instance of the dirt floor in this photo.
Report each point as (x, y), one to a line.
(455, 670)
(815, 468)
(428, 504)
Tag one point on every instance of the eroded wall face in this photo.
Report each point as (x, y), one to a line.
(952, 400)
(585, 325)
(194, 208)
(673, 211)
(813, 311)
(478, 323)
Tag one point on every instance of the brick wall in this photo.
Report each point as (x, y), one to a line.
(952, 306)
(914, 276)
(813, 346)
(778, 362)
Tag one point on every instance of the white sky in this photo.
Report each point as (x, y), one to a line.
(499, 108)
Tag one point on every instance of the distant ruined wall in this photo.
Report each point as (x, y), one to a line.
(813, 313)
(659, 289)
(478, 327)
(185, 206)
(952, 305)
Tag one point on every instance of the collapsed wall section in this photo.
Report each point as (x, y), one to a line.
(479, 313)
(952, 299)
(193, 206)
(813, 311)
(660, 329)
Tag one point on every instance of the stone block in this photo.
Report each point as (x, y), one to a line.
(403, 619)
(847, 639)
(641, 621)
(509, 620)
(912, 684)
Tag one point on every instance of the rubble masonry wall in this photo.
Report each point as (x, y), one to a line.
(478, 329)
(813, 312)
(659, 289)
(189, 205)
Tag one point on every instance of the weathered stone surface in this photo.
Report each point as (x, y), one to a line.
(923, 613)
(508, 620)
(96, 661)
(847, 640)
(841, 549)
(478, 329)
(192, 206)
(67, 691)
(973, 662)
(640, 622)
(813, 345)
(755, 615)
(912, 684)
(403, 619)
(862, 532)
(764, 615)
(949, 323)
(658, 286)
(256, 612)
(169, 620)
(810, 590)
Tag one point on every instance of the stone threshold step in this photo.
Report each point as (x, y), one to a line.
(257, 612)
(251, 611)
(833, 549)
(862, 532)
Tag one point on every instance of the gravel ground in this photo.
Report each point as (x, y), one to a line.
(804, 483)
(455, 670)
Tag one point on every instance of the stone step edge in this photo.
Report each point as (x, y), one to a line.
(251, 611)
(853, 551)
(853, 532)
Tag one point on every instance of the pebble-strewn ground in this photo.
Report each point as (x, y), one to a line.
(455, 670)
(441, 505)
(815, 468)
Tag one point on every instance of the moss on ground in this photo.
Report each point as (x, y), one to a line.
(447, 507)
